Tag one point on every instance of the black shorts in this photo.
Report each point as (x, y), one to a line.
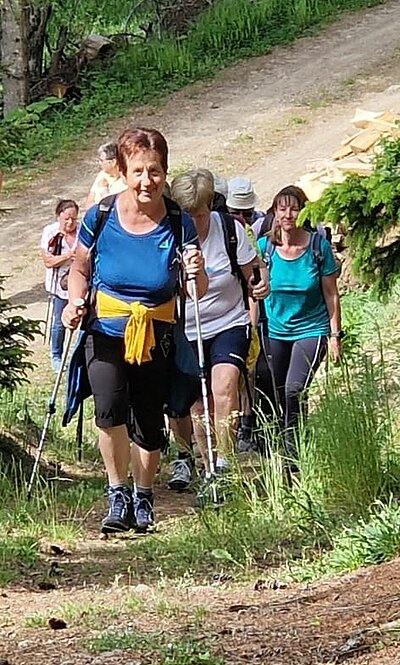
(126, 394)
(229, 346)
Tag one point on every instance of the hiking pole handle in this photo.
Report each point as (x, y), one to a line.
(256, 274)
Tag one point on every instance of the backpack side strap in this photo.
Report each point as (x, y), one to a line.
(231, 243)
(316, 239)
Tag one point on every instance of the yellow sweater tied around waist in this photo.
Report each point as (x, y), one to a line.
(139, 331)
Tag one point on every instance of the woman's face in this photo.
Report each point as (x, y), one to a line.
(68, 220)
(107, 165)
(201, 218)
(286, 213)
(145, 176)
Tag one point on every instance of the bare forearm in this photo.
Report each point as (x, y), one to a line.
(333, 306)
(201, 283)
(77, 284)
(51, 261)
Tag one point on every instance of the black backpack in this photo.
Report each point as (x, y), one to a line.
(315, 243)
(173, 212)
(231, 243)
(175, 218)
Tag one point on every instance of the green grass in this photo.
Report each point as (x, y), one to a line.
(23, 413)
(142, 73)
(155, 648)
(339, 513)
(54, 515)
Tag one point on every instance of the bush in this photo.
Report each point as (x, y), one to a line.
(15, 335)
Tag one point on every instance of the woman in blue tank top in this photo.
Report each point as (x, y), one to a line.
(302, 309)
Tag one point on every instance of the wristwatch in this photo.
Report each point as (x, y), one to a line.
(339, 334)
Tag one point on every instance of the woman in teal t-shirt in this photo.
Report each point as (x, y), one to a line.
(302, 309)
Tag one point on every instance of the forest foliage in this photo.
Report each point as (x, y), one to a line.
(369, 208)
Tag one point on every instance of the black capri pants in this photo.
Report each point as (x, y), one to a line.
(132, 395)
(294, 365)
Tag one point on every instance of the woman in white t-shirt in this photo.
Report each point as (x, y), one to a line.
(225, 321)
(58, 245)
(108, 180)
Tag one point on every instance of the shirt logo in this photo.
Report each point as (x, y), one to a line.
(164, 244)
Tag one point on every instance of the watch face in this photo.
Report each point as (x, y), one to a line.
(338, 335)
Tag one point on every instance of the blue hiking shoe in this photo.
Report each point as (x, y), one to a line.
(143, 513)
(120, 516)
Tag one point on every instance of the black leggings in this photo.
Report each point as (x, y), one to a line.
(294, 365)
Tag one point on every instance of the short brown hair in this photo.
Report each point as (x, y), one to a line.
(64, 204)
(193, 189)
(134, 139)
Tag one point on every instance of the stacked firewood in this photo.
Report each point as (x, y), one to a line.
(355, 153)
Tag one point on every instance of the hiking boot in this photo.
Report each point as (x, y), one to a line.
(181, 474)
(120, 515)
(245, 439)
(144, 513)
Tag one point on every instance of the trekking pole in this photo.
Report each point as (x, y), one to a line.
(50, 308)
(203, 380)
(51, 408)
(56, 245)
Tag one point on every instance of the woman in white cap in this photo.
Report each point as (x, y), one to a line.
(242, 199)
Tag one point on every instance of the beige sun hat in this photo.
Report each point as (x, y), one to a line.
(241, 194)
(220, 184)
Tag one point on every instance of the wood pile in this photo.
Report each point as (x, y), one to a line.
(355, 153)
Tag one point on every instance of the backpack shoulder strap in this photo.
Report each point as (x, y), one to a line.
(103, 210)
(175, 218)
(267, 250)
(316, 239)
(231, 243)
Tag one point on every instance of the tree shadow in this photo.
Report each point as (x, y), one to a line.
(36, 294)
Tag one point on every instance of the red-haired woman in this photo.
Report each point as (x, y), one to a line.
(128, 349)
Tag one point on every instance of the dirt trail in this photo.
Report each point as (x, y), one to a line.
(266, 117)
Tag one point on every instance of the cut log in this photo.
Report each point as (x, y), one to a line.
(362, 118)
(93, 44)
(348, 139)
(343, 151)
(354, 166)
(365, 140)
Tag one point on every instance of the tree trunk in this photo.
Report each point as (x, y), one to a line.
(14, 53)
(38, 20)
